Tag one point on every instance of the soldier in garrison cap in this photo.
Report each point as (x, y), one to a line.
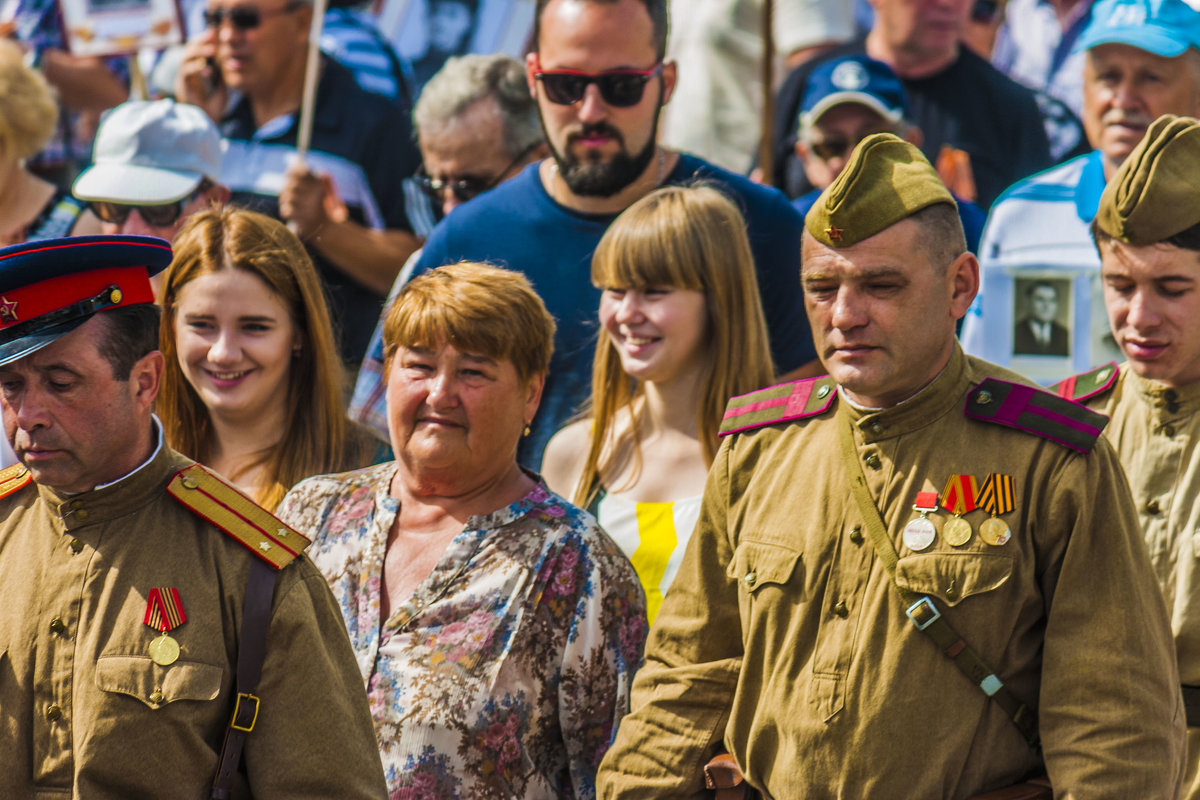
(161, 635)
(1148, 234)
(919, 576)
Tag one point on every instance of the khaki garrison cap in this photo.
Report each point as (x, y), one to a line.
(1156, 192)
(886, 180)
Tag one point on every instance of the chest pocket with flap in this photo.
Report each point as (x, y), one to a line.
(953, 577)
(758, 564)
(155, 685)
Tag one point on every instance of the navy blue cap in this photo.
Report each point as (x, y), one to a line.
(50, 287)
(853, 79)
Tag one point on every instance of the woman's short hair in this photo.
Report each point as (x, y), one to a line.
(28, 109)
(317, 438)
(687, 237)
(476, 308)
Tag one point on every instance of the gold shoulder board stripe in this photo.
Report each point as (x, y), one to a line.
(14, 478)
(1087, 385)
(257, 529)
(781, 403)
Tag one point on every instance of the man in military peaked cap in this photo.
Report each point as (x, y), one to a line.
(933, 568)
(1148, 234)
(160, 636)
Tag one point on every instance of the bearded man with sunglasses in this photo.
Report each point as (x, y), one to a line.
(345, 200)
(600, 81)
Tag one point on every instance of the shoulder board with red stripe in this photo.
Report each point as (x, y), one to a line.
(1087, 385)
(783, 402)
(14, 478)
(1035, 411)
(222, 505)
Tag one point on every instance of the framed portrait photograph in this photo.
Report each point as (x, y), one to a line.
(118, 27)
(1042, 310)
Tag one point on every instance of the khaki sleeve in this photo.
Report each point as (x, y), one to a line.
(314, 737)
(1110, 711)
(682, 695)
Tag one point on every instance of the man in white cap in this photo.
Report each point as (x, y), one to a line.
(155, 164)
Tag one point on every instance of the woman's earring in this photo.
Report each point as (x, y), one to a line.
(527, 430)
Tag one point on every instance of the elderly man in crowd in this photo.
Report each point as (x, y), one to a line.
(918, 541)
(600, 81)
(344, 199)
(1148, 234)
(1141, 62)
(160, 634)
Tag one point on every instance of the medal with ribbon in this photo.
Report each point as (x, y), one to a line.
(996, 498)
(164, 612)
(919, 533)
(958, 498)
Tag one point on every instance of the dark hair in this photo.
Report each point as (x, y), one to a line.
(130, 333)
(657, 9)
(1186, 239)
(1040, 284)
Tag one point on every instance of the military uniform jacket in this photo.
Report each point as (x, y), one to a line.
(85, 712)
(784, 636)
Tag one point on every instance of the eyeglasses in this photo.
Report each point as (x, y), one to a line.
(468, 186)
(244, 18)
(159, 215)
(830, 149)
(618, 87)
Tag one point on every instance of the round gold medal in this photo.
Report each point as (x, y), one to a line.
(919, 533)
(957, 531)
(164, 650)
(994, 531)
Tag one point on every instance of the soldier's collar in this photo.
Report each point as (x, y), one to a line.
(114, 500)
(1164, 400)
(941, 396)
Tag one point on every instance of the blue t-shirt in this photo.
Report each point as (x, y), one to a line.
(519, 226)
(971, 215)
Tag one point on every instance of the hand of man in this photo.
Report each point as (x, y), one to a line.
(309, 201)
(199, 80)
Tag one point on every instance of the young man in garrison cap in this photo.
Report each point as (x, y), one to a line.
(918, 576)
(160, 635)
(1148, 233)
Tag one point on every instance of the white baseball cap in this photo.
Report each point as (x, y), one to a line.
(151, 152)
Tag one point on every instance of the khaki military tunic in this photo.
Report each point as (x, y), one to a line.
(1156, 433)
(85, 712)
(783, 635)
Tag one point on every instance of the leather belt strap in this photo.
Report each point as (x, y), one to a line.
(1191, 705)
(921, 609)
(252, 650)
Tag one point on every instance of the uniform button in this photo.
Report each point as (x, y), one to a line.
(823, 392)
(873, 461)
(81, 515)
(1168, 431)
(751, 578)
(983, 398)
(188, 482)
(54, 712)
(76, 545)
(57, 626)
(951, 592)
(876, 428)
(156, 696)
(1152, 507)
(856, 535)
(840, 609)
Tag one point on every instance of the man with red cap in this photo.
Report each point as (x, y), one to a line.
(161, 634)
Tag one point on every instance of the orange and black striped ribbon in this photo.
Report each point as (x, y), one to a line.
(959, 495)
(164, 610)
(996, 494)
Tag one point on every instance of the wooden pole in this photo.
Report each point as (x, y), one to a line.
(312, 74)
(766, 158)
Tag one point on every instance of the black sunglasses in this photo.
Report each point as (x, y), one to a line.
(468, 186)
(618, 87)
(159, 215)
(830, 149)
(244, 18)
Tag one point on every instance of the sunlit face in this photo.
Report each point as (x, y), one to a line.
(930, 28)
(135, 225)
(1154, 309)
(68, 418)
(470, 148)
(600, 149)
(235, 341)
(456, 412)
(257, 60)
(882, 316)
(828, 144)
(1126, 88)
(660, 333)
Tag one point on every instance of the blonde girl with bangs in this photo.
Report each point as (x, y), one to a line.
(682, 331)
(253, 384)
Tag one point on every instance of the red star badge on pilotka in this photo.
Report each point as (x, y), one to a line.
(834, 233)
(8, 310)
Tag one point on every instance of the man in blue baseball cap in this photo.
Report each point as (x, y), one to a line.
(161, 635)
(1141, 60)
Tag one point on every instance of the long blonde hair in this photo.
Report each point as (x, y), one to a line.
(687, 237)
(317, 436)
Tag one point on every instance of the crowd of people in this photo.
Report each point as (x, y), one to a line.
(526, 429)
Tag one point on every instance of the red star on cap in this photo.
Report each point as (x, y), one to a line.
(8, 309)
(834, 233)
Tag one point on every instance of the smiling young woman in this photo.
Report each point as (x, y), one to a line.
(253, 384)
